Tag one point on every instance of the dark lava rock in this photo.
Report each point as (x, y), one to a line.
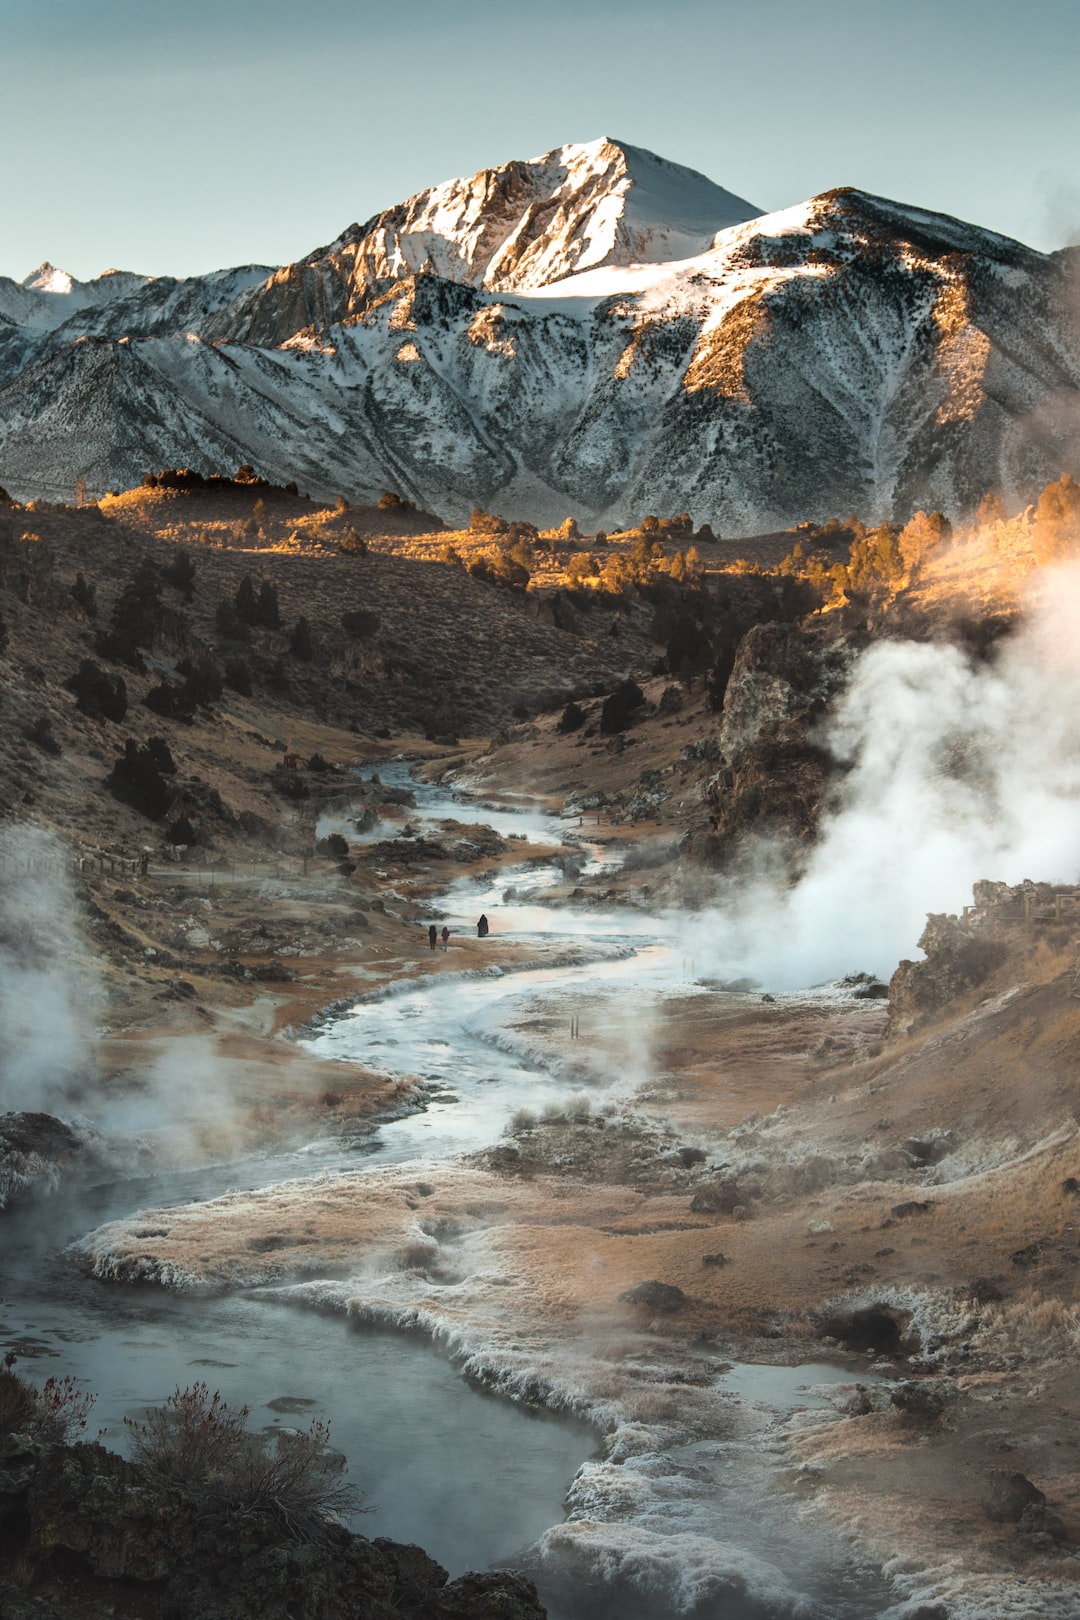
(103, 1537)
(35, 1149)
(719, 1197)
(716, 1259)
(1042, 1521)
(922, 1399)
(912, 1206)
(1007, 1494)
(658, 1296)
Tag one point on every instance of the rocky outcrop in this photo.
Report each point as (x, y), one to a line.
(36, 1151)
(1008, 1494)
(88, 1533)
(959, 954)
(775, 773)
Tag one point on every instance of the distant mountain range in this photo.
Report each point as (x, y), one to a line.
(596, 332)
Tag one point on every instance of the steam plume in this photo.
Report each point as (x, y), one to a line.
(956, 771)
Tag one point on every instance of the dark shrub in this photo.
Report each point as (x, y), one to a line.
(139, 777)
(481, 522)
(97, 695)
(135, 621)
(302, 642)
(573, 718)
(689, 650)
(354, 544)
(40, 733)
(238, 676)
(246, 602)
(278, 677)
(269, 615)
(85, 596)
(228, 623)
(204, 679)
(333, 846)
(172, 701)
(500, 570)
(180, 574)
(360, 624)
(620, 707)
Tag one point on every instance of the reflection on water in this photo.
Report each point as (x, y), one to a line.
(471, 1478)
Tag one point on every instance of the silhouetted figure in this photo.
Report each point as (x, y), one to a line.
(445, 937)
(482, 929)
(432, 936)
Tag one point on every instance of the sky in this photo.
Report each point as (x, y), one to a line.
(173, 139)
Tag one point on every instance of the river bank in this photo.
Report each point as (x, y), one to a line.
(670, 1177)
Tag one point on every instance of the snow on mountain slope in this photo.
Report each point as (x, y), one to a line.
(848, 354)
(518, 226)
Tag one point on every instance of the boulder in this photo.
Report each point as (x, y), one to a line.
(658, 1296)
(923, 1400)
(720, 1197)
(1007, 1494)
(1042, 1521)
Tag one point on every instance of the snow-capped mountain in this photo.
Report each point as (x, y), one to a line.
(596, 331)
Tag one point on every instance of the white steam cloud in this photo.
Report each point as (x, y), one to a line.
(48, 988)
(956, 772)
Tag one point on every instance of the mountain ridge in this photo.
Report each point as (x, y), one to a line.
(500, 340)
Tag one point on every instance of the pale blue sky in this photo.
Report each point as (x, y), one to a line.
(172, 138)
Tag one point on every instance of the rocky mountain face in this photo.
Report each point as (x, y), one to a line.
(596, 332)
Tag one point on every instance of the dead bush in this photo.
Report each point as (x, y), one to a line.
(198, 1441)
(57, 1412)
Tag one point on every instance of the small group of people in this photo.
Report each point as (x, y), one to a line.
(483, 929)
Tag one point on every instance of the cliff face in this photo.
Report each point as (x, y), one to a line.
(596, 331)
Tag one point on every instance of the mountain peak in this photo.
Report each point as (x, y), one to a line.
(529, 222)
(48, 279)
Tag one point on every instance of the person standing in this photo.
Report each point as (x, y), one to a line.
(445, 936)
(432, 936)
(482, 927)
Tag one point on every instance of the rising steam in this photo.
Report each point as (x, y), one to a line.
(955, 771)
(48, 989)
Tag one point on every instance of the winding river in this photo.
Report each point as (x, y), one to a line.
(473, 1478)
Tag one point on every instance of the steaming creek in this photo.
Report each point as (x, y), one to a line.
(471, 1477)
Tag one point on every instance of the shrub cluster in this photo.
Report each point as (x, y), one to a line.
(54, 1413)
(198, 1441)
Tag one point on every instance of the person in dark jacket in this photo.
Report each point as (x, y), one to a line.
(432, 936)
(482, 928)
(445, 936)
